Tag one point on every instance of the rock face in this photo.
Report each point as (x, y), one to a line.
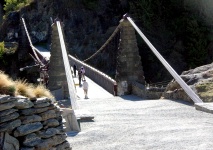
(24, 127)
(87, 25)
(199, 79)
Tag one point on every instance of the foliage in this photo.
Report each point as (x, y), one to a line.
(90, 4)
(196, 43)
(1, 50)
(24, 88)
(41, 91)
(205, 91)
(143, 11)
(21, 87)
(165, 23)
(6, 84)
(14, 5)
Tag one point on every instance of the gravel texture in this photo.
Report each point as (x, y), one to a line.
(132, 123)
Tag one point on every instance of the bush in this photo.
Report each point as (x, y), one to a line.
(14, 5)
(21, 87)
(1, 49)
(90, 4)
(6, 84)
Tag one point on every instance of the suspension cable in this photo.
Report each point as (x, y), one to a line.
(186, 88)
(31, 45)
(70, 82)
(105, 44)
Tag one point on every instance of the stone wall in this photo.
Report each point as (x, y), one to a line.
(31, 124)
(141, 91)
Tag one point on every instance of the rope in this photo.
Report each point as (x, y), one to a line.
(186, 88)
(105, 44)
(31, 45)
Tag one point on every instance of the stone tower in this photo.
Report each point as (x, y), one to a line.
(129, 66)
(57, 75)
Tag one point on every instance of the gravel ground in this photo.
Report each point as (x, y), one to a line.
(131, 123)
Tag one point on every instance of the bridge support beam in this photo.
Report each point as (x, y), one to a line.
(57, 76)
(129, 66)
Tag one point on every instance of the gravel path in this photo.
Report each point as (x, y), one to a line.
(130, 123)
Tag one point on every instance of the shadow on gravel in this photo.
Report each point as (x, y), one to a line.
(132, 98)
(182, 102)
(72, 133)
(86, 120)
(136, 98)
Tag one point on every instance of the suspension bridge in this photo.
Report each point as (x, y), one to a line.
(123, 120)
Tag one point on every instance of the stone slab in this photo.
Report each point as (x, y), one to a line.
(83, 114)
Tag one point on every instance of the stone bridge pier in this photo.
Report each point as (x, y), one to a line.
(129, 66)
(57, 76)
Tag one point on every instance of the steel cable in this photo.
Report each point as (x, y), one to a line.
(105, 44)
(186, 88)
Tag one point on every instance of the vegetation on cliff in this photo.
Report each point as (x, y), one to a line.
(14, 5)
(177, 28)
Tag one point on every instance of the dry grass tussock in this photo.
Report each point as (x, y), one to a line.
(21, 87)
(41, 91)
(24, 88)
(7, 85)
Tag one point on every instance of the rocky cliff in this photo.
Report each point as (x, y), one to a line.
(199, 79)
(180, 30)
(87, 25)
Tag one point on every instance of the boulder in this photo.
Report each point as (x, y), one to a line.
(27, 148)
(57, 139)
(51, 123)
(41, 105)
(8, 105)
(10, 125)
(31, 111)
(31, 140)
(10, 143)
(48, 133)
(42, 100)
(23, 104)
(199, 79)
(5, 99)
(28, 128)
(63, 146)
(30, 119)
(48, 114)
(7, 112)
(9, 117)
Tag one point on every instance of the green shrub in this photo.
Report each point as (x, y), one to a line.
(14, 5)
(1, 49)
(90, 4)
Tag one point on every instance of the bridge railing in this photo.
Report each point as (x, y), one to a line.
(97, 76)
